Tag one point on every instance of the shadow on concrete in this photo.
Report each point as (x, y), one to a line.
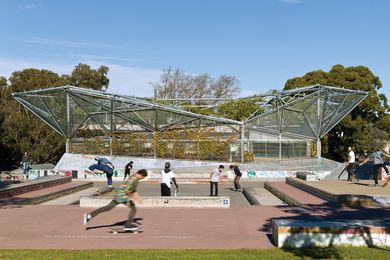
(331, 212)
(117, 224)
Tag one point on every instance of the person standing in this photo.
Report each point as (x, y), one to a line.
(25, 164)
(125, 194)
(237, 177)
(167, 178)
(377, 159)
(351, 165)
(214, 178)
(128, 169)
(104, 165)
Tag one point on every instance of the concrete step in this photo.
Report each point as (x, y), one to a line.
(73, 198)
(33, 185)
(261, 196)
(42, 195)
(292, 195)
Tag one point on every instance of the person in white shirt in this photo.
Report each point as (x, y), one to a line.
(167, 178)
(351, 165)
(214, 178)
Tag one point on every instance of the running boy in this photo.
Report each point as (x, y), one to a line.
(125, 194)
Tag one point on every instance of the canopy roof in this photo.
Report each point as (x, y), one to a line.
(308, 112)
(68, 109)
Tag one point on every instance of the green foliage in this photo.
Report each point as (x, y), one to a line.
(240, 109)
(331, 252)
(85, 77)
(20, 130)
(358, 128)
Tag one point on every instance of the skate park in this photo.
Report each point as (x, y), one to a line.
(287, 200)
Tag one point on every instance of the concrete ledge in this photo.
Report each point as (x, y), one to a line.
(163, 202)
(297, 183)
(305, 233)
(37, 184)
(281, 195)
(307, 176)
(342, 199)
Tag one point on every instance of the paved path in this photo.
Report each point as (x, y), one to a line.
(60, 227)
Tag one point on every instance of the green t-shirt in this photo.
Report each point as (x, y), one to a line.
(123, 192)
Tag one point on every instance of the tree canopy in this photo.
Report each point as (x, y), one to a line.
(178, 84)
(21, 131)
(359, 128)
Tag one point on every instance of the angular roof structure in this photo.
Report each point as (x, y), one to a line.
(68, 109)
(308, 112)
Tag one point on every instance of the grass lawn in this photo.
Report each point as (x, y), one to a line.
(306, 253)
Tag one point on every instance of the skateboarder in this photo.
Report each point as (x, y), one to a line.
(128, 169)
(214, 178)
(167, 178)
(125, 194)
(377, 159)
(351, 165)
(103, 165)
(25, 164)
(237, 177)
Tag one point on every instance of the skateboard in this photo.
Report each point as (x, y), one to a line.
(121, 230)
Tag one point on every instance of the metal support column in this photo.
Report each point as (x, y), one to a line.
(67, 143)
(242, 143)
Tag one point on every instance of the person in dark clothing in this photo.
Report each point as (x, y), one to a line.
(377, 159)
(237, 177)
(128, 169)
(167, 178)
(25, 164)
(125, 194)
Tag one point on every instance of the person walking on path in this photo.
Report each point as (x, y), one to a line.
(103, 165)
(351, 165)
(25, 164)
(125, 194)
(237, 177)
(377, 159)
(128, 169)
(214, 178)
(167, 178)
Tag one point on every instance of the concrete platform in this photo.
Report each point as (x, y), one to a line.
(346, 193)
(298, 233)
(45, 194)
(292, 195)
(32, 185)
(163, 202)
(261, 196)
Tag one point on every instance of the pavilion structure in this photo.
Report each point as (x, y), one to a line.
(293, 116)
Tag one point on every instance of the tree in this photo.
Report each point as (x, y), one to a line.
(85, 77)
(240, 109)
(356, 129)
(22, 131)
(178, 84)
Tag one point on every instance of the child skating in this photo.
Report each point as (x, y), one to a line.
(125, 194)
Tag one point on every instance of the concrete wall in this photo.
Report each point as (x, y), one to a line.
(162, 202)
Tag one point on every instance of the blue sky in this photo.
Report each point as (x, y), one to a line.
(262, 43)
